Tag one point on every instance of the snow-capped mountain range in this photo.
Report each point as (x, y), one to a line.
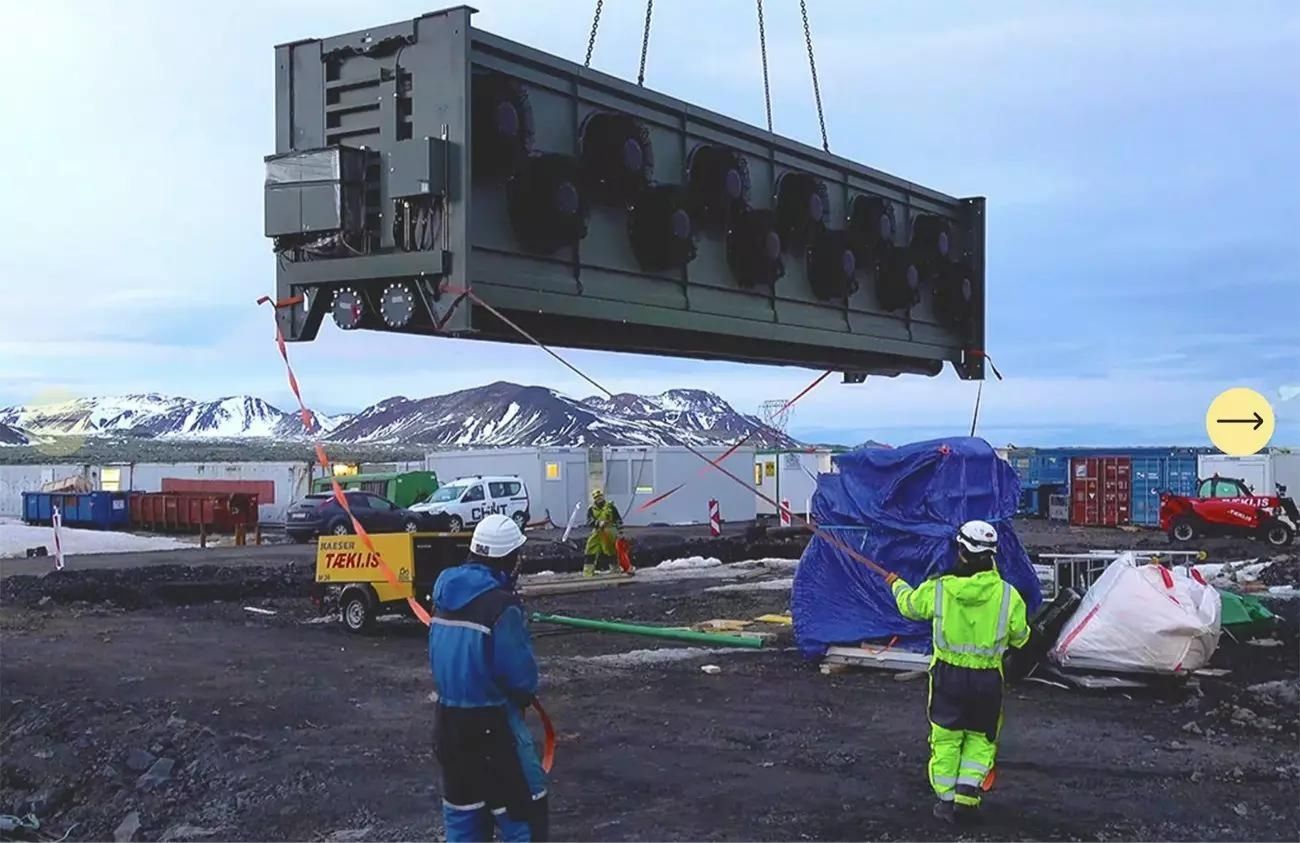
(13, 436)
(498, 414)
(160, 416)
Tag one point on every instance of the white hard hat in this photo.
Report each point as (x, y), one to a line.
(978, 537)
(496, 536)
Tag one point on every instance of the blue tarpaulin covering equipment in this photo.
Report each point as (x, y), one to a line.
(901, 508)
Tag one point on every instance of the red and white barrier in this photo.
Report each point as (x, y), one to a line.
(785, 512)
(715, 519)
(56, 519)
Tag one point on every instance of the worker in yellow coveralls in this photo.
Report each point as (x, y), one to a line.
(976, 616)
(604, 520)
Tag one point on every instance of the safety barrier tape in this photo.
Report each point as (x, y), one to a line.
(313, 429)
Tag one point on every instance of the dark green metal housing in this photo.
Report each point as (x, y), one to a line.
(427, 221)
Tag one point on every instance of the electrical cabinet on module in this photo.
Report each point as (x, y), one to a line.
(434, 178)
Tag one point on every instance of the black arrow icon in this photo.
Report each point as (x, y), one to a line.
(1256, 422)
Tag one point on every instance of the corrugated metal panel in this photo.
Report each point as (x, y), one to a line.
(1101, 491)
(1153, 475)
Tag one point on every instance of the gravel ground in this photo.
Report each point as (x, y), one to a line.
(175, 707)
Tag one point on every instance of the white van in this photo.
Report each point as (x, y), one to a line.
(468, 500)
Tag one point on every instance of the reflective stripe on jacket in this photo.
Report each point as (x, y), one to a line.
(975, 617)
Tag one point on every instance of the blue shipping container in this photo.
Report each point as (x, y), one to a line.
(1153, 475)
(101, 510)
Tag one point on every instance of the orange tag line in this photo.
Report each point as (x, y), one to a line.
(309, 422)
(548, 748)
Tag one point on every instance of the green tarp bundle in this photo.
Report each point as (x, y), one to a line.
(1241, 611)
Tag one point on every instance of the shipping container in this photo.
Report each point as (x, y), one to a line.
(1156, 474)
(1256, 470)
(1045, 472)
(635, 476)
(1101, 491)
(401, 487)
(789, 475)
(190, 512)
(97, 510)
(292, 480)
(264, 489)
(558, 479)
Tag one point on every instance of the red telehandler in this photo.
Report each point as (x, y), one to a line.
(1225, 506)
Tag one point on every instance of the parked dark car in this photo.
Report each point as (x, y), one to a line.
(317, 515)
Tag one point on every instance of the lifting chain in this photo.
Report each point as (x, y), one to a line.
(762, 49)
(812, 65)
(595, 24)
(645, 41)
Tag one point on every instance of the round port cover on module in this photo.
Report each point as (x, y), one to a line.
(347, 309)
(1240, 421)
(397, 305)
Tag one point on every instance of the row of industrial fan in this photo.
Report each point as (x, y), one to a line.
(548, 196)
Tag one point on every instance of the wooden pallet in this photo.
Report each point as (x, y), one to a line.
(838, 659)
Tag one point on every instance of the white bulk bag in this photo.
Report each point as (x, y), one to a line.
(1141, 618)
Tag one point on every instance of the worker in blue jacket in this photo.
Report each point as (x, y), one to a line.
(486, 675)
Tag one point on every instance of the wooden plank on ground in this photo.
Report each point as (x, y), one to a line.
(574, 586)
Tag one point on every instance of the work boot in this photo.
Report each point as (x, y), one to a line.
(589, 569)
(966, 815)
(943, 811)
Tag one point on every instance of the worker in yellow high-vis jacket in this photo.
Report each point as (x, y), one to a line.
(976, 616)
(605, 521)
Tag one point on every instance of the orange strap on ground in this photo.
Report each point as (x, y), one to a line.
(309, 422)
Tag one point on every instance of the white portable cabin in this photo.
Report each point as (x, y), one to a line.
(789, 475)
(636, 475)
(557, 478)
(1286, 472)
(1256, 470)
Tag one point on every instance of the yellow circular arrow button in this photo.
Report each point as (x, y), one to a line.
(1239, 421)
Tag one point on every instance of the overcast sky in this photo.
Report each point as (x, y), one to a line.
(1139, 162)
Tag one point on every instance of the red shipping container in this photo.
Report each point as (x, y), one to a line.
(1101, 491)
(191, 511)
(264, 489)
